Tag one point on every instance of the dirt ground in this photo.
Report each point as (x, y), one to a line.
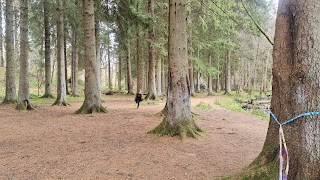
(54, 143)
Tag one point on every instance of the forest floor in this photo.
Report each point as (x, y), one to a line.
(54, 143)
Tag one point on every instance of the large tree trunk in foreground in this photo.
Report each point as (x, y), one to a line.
(1, 39)
(10, 96)
(61, 81)
(23, 97)
(178, 120)
(152, 93)
(296, 89)
(47, 51)
(92, 101)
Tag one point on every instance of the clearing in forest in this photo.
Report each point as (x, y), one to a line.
(54, 143)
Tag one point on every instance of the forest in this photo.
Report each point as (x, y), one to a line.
(231, 87)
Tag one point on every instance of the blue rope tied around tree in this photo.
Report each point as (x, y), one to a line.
(282, 141)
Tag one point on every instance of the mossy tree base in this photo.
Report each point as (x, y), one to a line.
(47, 96)
(185, 129)
(130, 93)
(59, 103)
(9, 101)
(150, 96)
(264, 167)
(23, 106)
(85, 109)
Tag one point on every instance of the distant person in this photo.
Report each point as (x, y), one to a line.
(138, 98)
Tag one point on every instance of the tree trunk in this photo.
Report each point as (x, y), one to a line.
(296, 89)
(97, 32)
(61, 81)
(1, 39)
(152, 92)
(140, 64)
(190, 65)
(198, 81)
(178, 119)
(228, 73)
(23, 97)
(210, 78)
(120, 72)
(218, 85)
(158, 76)
(65, 61)
(129, 73)
(109, 68)
(75, 64)
(92, 100)
(47, 51)
(163, 78)
(10, 96)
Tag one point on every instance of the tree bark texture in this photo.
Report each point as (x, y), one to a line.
(210, 77)
(10, 96)
(61, 81)
(158, 76)
(92, 100)
(178, 120)
(109, 68)
(140, 64)
(163, 78)
(296, 85)
(23, 95)
(47, 51)
(228, 73)
(120, 72)
(152, 92)
(129, 73)
(1, 38)
(75, 64)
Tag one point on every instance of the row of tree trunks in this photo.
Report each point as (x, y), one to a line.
(129, 73)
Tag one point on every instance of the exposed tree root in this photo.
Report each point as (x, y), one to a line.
(48, 96)
(185, 129)
(59, 103)
(86, 109)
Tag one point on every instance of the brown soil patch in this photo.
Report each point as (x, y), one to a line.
(54, 143)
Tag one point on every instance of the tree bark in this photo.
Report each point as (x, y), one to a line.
(210, 77)
(23, 96)
(109, 67)
(47, 51)
(228, 73)
(97, 33)
(152, 92)
(296, 89)
(163, 78)
(92, 100)
(158, 76)
(61, 81)
(120, 72)
(129, 73)
(65, 61)
(218, 85)
(140, 64)
(178, 120)
(10, 96)
(75, 64)
(1, 39)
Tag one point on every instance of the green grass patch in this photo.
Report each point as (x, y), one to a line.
(260, 113)
(229, 103)
(204, 106)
